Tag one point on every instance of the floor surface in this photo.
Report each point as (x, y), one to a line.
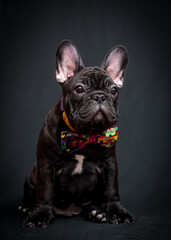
(150, 224)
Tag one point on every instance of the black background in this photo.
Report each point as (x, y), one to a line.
(31, 32)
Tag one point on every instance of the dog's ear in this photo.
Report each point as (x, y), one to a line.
(68, 61)
(115, 63)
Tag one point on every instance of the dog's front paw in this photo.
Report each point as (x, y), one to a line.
(116, 213)
(40, 217)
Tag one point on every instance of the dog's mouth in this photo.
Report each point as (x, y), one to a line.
(98, 119)
(97, 124)
(94, 118)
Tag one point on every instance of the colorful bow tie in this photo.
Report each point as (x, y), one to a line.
(72, 142)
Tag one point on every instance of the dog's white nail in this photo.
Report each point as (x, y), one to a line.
(99, 216)
(19, 207)
(93, 213)
(25, 210)
(104, 219)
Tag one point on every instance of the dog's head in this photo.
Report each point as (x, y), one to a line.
(90, 93)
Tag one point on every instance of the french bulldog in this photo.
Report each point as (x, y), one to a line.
(76, 170)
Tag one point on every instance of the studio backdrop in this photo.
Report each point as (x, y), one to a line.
(31, 32)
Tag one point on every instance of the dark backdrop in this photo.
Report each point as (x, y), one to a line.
(31, 32)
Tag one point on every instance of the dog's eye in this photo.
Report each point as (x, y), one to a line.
(113, 90)
(79, 89)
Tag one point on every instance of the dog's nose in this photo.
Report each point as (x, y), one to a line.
(99, 97)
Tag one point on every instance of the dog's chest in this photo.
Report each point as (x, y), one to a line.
(78, 174)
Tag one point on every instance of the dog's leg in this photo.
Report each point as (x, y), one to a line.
(111, 209)
(29, 198)
(42, 212)
(115, 212)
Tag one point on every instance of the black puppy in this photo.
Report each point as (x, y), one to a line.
(76, 170)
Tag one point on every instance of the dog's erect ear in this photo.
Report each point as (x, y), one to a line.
(68, 61)
(115, 63)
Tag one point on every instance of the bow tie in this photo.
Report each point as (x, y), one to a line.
(72, 142)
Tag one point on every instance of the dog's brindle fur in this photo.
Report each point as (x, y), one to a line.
(85, 181)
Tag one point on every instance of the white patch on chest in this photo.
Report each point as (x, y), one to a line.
(79, 166)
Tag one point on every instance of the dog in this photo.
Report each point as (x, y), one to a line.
(76, 170)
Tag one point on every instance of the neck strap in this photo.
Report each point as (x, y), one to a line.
(65, 118)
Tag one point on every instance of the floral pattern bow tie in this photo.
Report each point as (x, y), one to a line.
(72, 142)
